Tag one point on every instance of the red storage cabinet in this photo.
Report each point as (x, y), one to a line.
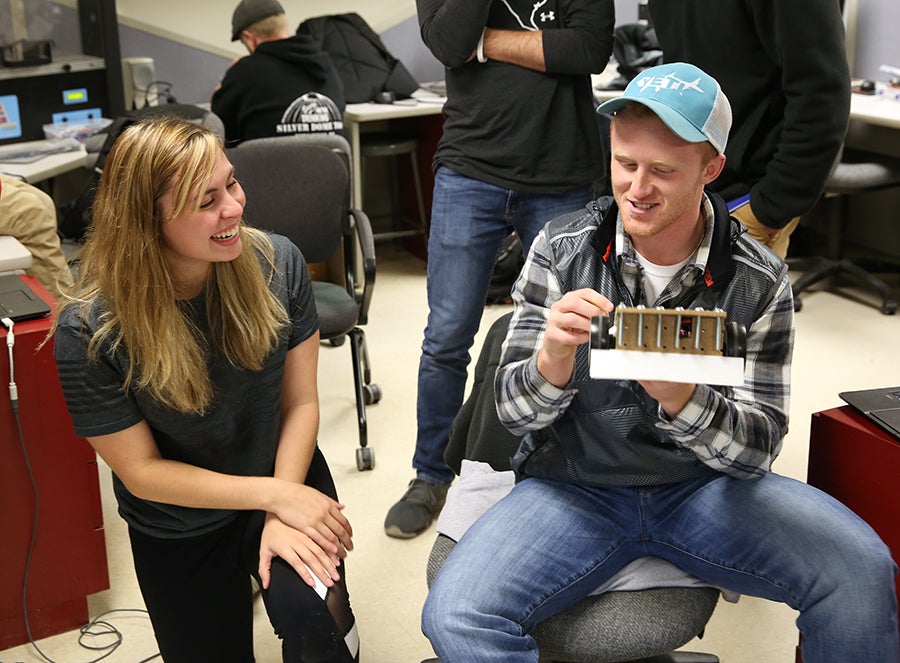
(69, 558)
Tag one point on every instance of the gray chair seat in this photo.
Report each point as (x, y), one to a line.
(338, 312)
(617, 626)
(863, 171)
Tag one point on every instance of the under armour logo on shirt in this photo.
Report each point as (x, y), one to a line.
(531, 23)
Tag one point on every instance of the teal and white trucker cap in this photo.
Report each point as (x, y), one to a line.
(686, 98)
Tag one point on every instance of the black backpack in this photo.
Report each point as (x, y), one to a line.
(509, 263)
(364, 64)
(635, 48)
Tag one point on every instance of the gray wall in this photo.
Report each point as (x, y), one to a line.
(405, 42)
(193, 73)
(877, 38)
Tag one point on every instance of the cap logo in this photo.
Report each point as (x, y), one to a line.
(669, 82)
(687, 100)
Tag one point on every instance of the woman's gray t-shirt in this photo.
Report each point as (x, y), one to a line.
(237, 435)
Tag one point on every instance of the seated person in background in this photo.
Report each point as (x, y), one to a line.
(286, 85)
(613, 470)
(187, 354)
(29, 215)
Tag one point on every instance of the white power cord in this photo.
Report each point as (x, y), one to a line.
(10, 343)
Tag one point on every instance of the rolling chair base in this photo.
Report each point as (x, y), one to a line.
(827, 268)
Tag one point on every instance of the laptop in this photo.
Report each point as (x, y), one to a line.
(880, 405)
(18, 301)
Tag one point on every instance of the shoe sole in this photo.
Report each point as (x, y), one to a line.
(397, 533)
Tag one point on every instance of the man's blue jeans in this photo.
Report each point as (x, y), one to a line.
(548, 544)
(469, 221)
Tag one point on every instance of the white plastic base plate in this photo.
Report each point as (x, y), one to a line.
(670, 366)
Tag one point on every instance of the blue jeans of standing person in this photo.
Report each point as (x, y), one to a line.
(469, 220)
(548, 544)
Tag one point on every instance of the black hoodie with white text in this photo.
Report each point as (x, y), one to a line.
(258, 88)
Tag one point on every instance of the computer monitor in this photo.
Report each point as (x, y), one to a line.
(69, 89)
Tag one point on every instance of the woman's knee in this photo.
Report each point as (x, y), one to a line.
(310, 626)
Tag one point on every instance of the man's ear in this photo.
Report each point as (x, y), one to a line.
(713, 168)
(249, 40)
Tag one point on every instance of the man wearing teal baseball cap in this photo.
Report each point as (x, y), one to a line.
(611, 471)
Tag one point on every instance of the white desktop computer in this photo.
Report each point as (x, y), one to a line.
(139, 75)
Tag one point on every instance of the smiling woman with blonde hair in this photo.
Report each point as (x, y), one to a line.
(188, 351)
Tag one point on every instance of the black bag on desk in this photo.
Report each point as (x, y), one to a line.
(364, 64)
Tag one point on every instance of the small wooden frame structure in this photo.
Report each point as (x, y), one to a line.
(694, 331)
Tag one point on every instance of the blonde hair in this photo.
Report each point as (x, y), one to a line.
(271, 27)
(123, 269)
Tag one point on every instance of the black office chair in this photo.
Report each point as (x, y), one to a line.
(642, 626)
(301, 189)
(855, 172)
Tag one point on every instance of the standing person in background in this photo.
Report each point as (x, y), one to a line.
(784, 68)
(520, 145)
(286, 85)
(188, 353)
(29, 215)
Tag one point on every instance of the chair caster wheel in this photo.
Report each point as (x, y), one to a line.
(337, 341)
(889, 308)
(371, 394)
(798, 305)
(365, 459)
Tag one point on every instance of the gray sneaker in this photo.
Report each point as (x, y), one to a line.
(416, 509)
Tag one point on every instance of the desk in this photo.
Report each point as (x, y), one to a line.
(69, 559)
(858, 462)
(46, 167)
(875, 110)
(355, 115)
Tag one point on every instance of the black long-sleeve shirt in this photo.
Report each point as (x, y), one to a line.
(783, 67)
(512, 126)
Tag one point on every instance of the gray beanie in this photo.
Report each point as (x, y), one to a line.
(250, 12)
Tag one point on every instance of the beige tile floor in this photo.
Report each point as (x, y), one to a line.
(841, 344)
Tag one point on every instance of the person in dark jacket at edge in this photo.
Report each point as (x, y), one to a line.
(286, 85)
(784, 68)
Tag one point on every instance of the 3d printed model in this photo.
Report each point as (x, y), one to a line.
(679, 345)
